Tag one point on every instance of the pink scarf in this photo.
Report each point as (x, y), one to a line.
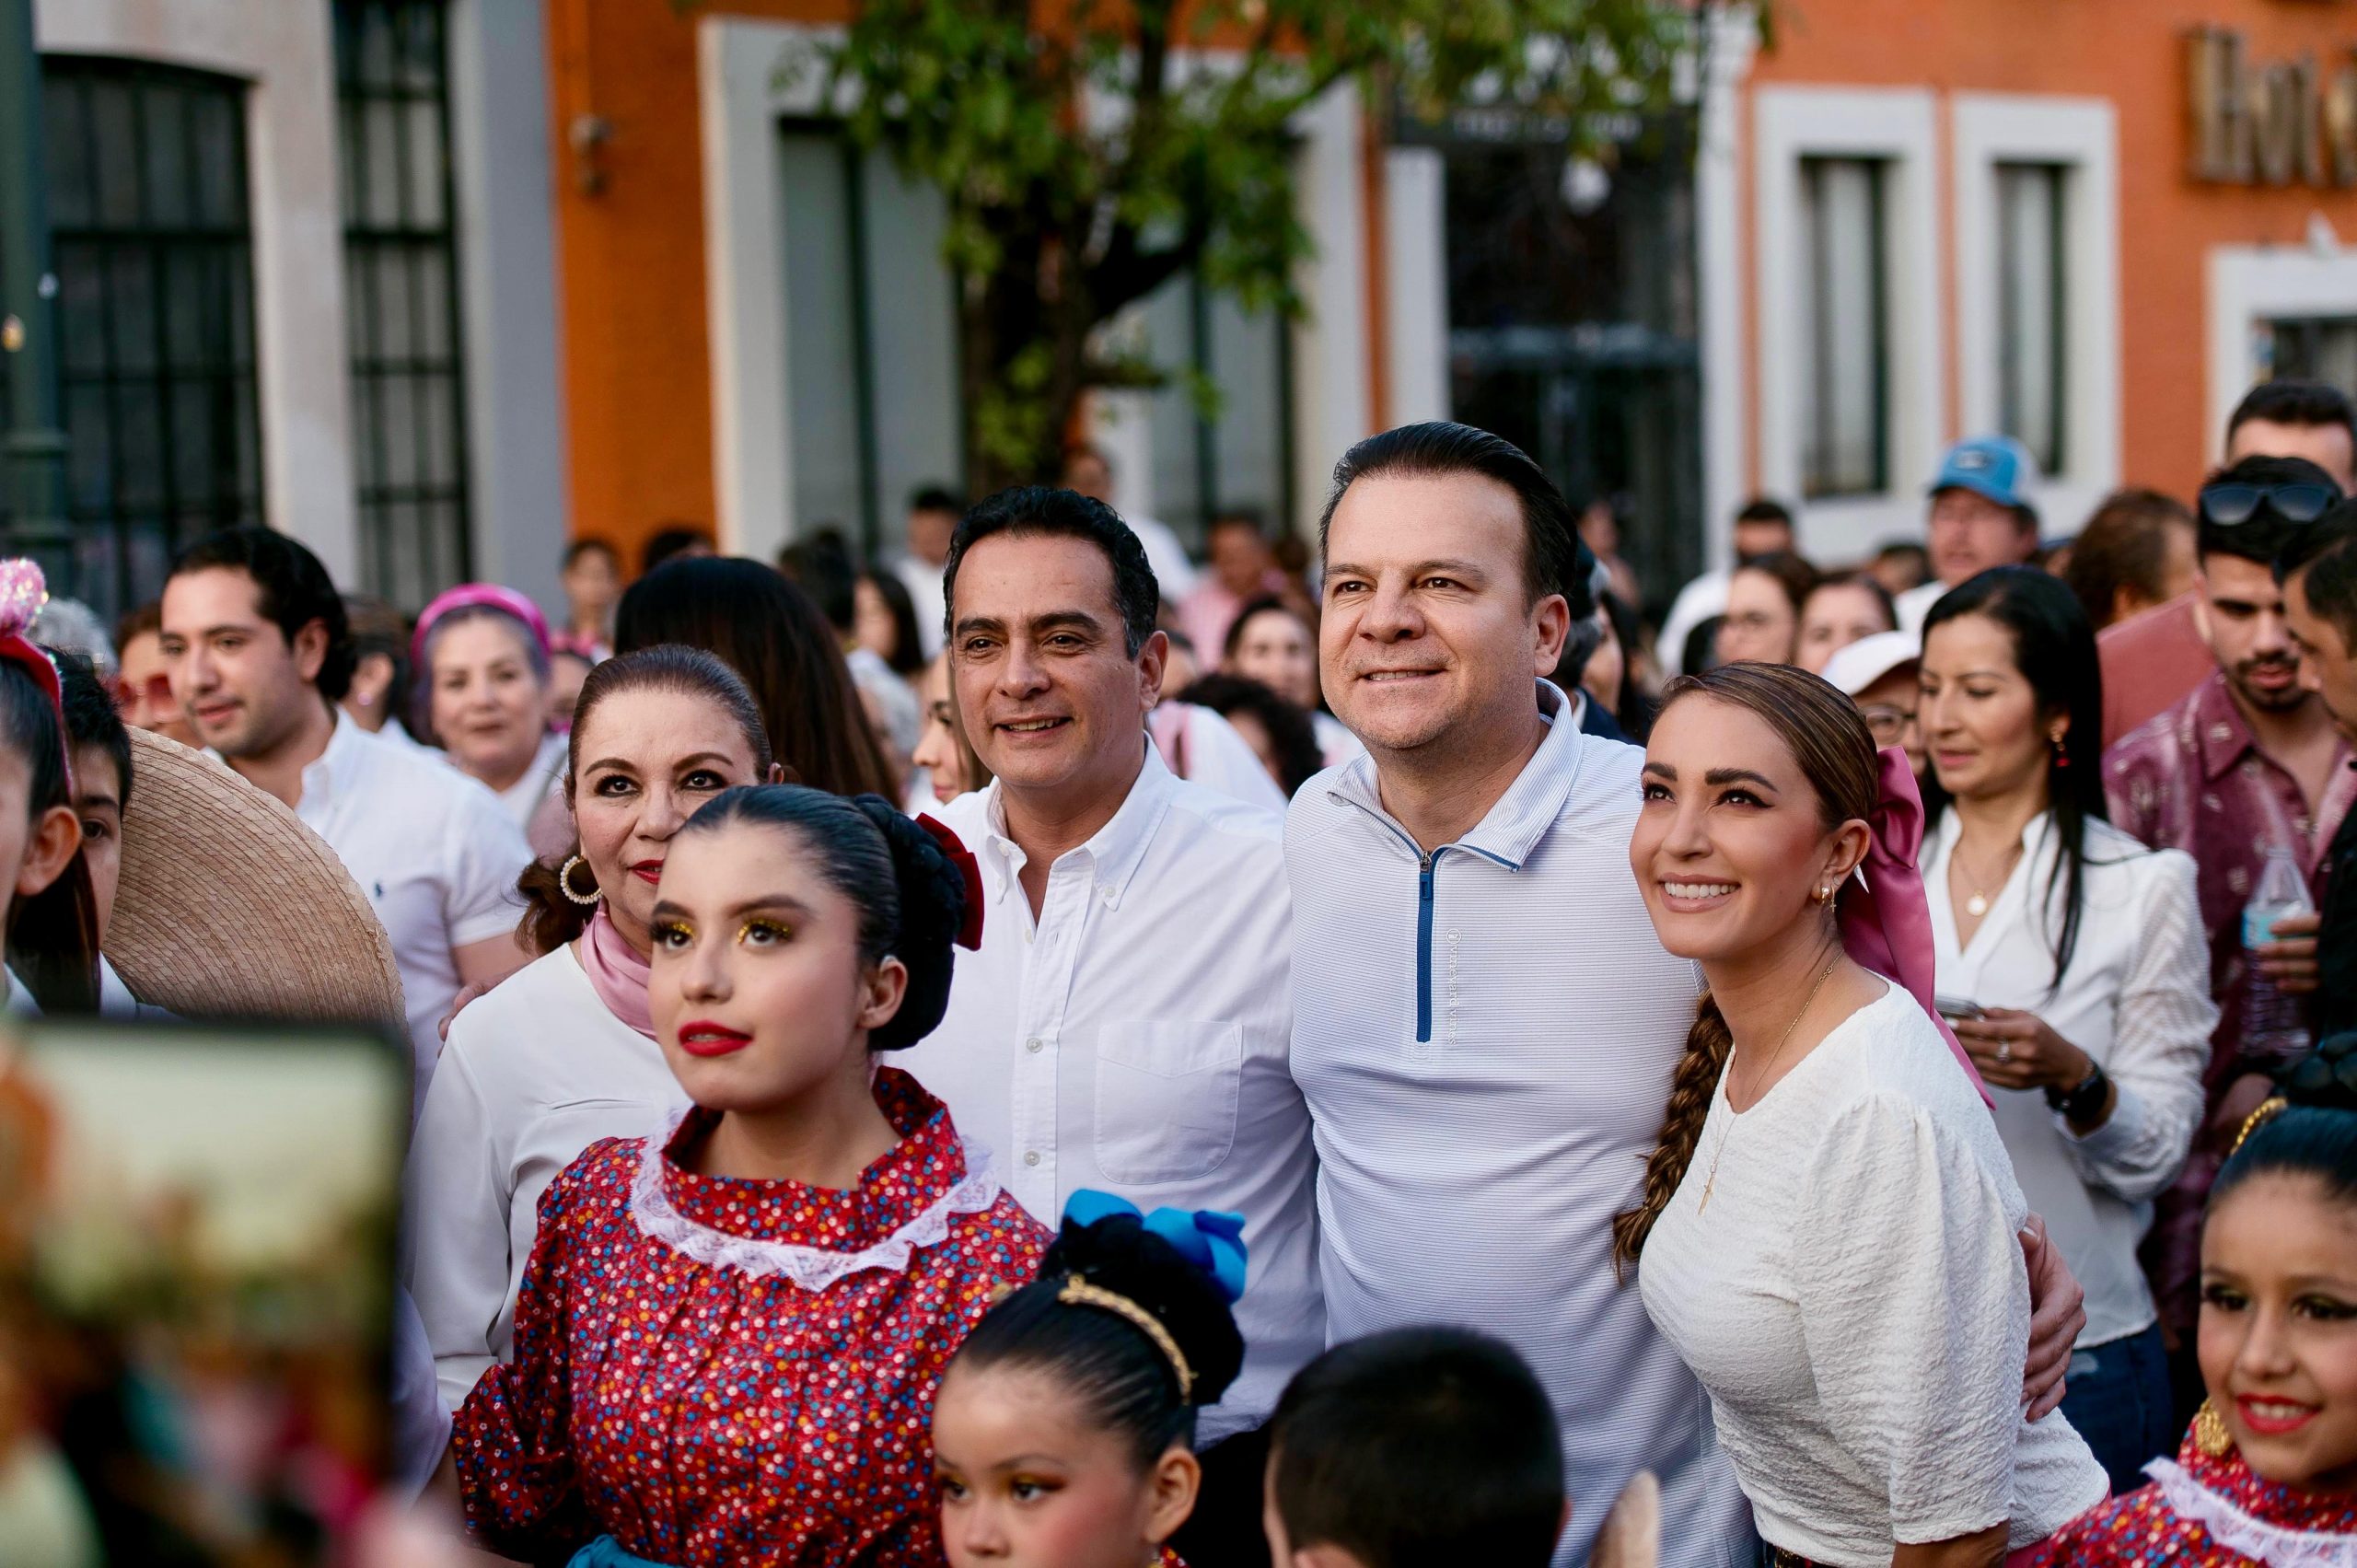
(616, 972)
(1887, 925)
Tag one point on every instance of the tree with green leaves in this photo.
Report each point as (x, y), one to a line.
(1090, 152)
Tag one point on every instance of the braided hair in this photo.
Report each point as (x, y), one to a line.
(911, 900)
(1836, 752)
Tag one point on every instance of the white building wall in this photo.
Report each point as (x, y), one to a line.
(507, 279)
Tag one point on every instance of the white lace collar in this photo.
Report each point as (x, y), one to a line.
(815, 1269)
(2231, 1526)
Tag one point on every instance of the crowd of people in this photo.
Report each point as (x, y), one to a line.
(1365, 1053)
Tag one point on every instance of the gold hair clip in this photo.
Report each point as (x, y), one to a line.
(2269, 1109)
(1080, 1293)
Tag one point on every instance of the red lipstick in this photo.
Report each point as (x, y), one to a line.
(648, 871)
(2273, 1423)
(704, 1037)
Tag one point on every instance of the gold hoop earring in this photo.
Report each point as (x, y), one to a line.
(564, 880)
(1824, 894)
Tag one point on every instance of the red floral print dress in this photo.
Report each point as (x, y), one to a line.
(2211, 1513)
(715, 1371)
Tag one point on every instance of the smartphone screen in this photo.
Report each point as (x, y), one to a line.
(196, 1276)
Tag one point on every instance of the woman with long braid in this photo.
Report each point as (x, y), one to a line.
(1828, 1230)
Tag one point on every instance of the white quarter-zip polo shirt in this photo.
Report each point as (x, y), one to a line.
(1134, 1038)
(1485, 1035)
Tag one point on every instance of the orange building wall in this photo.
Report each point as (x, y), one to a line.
(631, 261)
(2133, 52)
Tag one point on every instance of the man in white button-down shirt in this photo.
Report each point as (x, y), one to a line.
(1485, 1025)
(1126, 1021)
(259, 652)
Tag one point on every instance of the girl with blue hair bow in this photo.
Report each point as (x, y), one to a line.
(1063, 1431)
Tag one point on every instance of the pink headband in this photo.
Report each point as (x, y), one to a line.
(23, 591)
(1887, 925)
(467, 596)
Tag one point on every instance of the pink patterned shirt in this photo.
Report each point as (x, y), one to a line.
(2194, 778)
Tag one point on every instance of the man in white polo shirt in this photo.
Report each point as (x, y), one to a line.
(1484, 1025)
(1126, 1022)
(259, 652)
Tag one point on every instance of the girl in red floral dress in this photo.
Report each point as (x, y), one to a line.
(2269, 1472)
(730, 1333)
(1064, 1433)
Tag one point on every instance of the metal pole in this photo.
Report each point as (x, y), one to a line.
(34, 448)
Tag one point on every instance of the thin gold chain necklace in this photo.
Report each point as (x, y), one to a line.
(1712, 1180)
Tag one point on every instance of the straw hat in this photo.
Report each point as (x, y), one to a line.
(229, 906)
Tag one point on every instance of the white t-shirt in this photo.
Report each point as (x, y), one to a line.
(1210, 752)
(434, 853)
(923, 579)
(1916, 603)
(1335, 741)
(536, 1071)
(1854, 1298)
(523, 797)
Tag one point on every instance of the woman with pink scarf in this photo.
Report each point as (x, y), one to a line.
(563, 1052)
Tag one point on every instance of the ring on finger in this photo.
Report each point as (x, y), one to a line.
(2004, 1051)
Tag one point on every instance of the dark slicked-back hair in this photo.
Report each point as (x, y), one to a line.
(1420, 1446)
(2326, 551)
(1549, 531)
(292, 589)
(1039, 510)
(2289, 402)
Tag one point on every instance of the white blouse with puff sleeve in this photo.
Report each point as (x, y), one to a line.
(535, 1070)
(1855, 1300)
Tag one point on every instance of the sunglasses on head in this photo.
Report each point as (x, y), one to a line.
(2235, 502)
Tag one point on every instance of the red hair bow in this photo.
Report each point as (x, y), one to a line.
(970, 931)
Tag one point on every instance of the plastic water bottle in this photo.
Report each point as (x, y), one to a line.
(2274, 1029)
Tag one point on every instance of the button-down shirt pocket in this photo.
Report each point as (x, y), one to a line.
(1166, 1094)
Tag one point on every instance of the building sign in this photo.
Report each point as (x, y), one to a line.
(2288, 123)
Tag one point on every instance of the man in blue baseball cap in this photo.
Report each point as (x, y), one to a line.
(1981, 516)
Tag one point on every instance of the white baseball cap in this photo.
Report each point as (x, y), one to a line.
(1858, 666)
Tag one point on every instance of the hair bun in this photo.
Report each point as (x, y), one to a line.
(933, 909)
(1112, 1248)
(2324, 1079)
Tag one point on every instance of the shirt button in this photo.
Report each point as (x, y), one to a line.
(1031, 1045)
(1031, 1156)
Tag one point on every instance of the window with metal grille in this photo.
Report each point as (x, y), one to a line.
(2033, 366)
(156, 339)
(401, 297)
(1845, 369)
(2315, 348)
(871, 332)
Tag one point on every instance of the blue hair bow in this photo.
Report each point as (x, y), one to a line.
(1211, 1239)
